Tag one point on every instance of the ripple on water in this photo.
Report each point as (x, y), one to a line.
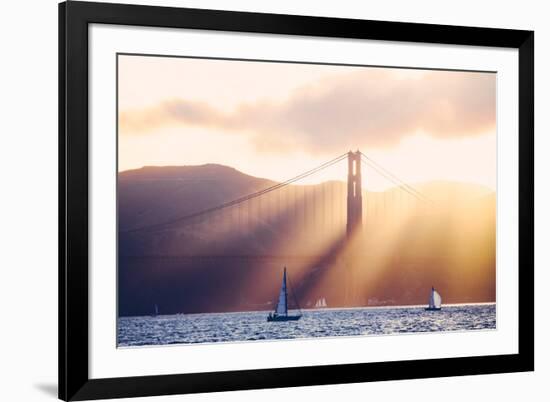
(251, 326)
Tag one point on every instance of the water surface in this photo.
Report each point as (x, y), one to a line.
(251, 326)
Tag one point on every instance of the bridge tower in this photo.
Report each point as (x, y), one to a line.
(355, 198)
(353, 226)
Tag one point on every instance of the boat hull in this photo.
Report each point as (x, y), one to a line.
(282, 318)
(432, 308)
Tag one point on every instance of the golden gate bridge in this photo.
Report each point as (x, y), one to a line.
(355, 204)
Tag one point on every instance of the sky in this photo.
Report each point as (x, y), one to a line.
(277, 120)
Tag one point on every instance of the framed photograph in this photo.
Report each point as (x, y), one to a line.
(257, 200)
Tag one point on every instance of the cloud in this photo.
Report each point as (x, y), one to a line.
(369, 108)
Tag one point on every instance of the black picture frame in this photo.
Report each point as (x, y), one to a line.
(74, 18)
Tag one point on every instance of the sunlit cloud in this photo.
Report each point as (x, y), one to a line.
(369, 108)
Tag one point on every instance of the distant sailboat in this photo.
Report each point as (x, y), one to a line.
(281, 311)
(156, 311)
(434, 303)
(321, 303)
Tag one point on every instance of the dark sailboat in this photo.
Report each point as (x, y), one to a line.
(281, 311)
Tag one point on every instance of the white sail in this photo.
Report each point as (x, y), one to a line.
(322, 302)
(436, 299)
(282, 304)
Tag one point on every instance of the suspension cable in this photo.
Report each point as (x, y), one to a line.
(393, 178)
(240, 199)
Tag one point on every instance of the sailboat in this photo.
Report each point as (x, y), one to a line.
(434, 303)
(281, 311)
(321, 303)
(156, 311)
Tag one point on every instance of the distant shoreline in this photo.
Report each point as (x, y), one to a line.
(321, 309)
